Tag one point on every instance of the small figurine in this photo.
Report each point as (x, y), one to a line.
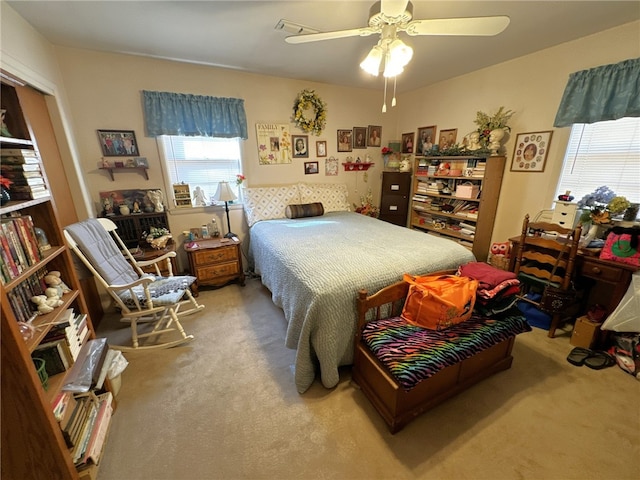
(199, 197)
(107, 206)
(136, 207)
(156, 199)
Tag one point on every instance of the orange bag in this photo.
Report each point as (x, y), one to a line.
(439, 301)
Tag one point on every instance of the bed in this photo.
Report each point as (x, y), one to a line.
(314, 267)
(405, 370)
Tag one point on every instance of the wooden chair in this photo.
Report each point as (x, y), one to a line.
(546, 256)
(151, 304)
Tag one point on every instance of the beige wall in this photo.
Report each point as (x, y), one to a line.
(105, 94)
(532, 86)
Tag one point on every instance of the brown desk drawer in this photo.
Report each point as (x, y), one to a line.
(215, 255)
(599, 271)
(209, 272)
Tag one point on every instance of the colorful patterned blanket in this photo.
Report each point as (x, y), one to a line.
(413, 354)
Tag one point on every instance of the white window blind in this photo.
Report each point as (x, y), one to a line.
(201, 162)
(603, 153)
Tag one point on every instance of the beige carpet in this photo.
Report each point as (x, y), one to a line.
(225, 407)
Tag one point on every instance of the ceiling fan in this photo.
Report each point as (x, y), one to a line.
(387, 17)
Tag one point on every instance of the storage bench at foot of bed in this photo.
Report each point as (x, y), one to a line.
(398, 406)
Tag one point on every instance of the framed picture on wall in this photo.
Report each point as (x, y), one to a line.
(425, 141)
(310, 167)
(407, 142)
(118, 143)
(447, 138)
(344, 140)
(300, 146)
(321, 148)
(530, 151)
(374, 136)
(359, 137)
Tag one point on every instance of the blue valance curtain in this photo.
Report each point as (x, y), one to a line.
(188, 115)
(603, 93)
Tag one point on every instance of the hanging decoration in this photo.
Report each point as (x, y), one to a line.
(309, 112)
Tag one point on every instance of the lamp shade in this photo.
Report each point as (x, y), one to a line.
(224, 193)
(371, 64)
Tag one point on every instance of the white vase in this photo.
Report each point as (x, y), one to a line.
(124, 210)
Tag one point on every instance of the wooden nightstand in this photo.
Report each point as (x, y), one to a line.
(215, 261)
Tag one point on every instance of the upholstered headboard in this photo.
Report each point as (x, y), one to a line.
(267, 203)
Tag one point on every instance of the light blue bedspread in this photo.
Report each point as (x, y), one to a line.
(315, 266)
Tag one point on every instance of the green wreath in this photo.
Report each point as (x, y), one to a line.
(308, 100)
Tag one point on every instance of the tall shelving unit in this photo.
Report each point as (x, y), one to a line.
(32, 441)
(436, 209)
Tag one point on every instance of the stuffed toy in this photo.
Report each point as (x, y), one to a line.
(53, 299)
(43, 306)
(501, 248)
(53, 280)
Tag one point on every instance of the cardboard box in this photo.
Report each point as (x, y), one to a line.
(467, 191)
(585, 333)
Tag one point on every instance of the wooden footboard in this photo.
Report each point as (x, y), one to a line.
(397, 406)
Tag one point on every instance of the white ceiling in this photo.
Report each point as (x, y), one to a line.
(241, 34)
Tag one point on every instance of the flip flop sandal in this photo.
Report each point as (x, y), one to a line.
(600, 360)
(578, 355)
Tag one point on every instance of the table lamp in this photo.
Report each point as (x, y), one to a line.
(226, 195)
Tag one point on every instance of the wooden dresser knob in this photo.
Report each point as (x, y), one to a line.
(596, 270)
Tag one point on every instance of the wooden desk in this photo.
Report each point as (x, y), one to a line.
(608, 281)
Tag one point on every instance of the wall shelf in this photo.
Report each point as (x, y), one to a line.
(142, 170)
(357, 167)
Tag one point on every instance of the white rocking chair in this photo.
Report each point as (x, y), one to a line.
(151, 304)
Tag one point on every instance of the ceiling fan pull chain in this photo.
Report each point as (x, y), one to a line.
(384, 104)
(393, 101)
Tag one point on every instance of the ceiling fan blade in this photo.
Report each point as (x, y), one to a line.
(315, 37)
(481, 26)
(393, 8)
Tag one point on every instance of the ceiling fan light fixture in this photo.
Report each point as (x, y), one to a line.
(400, 52)
(371, 64)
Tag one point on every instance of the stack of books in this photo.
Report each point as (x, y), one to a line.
(478, 170)
(22, 167)
(19, 246)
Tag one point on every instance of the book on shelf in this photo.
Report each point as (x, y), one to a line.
(17, 167)
(26, 181)
(85, 433)
(18, 152)
(31, 195)
(15, 247)
(20, 174)
(55, 356)
(99, 430)
(19, 159)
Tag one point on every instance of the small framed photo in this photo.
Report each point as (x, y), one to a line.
(141, 162)
(118, 143)
(331, 167)
(344, 141)
(118, 164)
(300, 146)
(408, 142)
(530, 151)
(374, 135)
(447, 138)
(196, 233)
(359, 137)
(130, 163)
(310, 168)
(426, 139)
(321, 148)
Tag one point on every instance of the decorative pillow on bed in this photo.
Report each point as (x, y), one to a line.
(267, 203)
(304, 210)
(333, 196)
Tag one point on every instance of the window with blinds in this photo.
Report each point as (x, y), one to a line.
(603, 153)
(201, 162)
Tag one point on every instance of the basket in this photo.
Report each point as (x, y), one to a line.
(42, 372)
(499, 261)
